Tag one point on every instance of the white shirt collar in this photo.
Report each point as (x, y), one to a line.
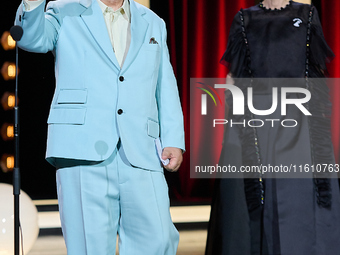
(124, 9)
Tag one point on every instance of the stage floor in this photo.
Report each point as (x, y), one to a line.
(191, 243)
(192, 222)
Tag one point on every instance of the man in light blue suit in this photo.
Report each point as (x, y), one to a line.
(115, 94)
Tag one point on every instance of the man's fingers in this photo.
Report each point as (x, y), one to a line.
(173, 165)
(166, 153)
(175, 157)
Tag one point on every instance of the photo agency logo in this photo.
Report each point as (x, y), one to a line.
(282, 97)
(204, 97)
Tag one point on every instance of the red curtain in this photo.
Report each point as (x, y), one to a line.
(201, 42)
(331, 28)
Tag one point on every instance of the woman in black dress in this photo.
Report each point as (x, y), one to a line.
(277, 216)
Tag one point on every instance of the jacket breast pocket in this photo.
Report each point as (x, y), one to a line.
(72, 96)
(153, 128)
(73, 116)
(150, 56)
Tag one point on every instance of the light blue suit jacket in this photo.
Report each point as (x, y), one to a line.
(90, 88)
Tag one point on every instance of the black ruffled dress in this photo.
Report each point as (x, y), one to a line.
(277, 216)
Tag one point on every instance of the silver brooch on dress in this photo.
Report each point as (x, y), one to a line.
(297, 22)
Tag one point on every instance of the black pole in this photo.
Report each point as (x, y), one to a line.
(16, 169)
(16, 33)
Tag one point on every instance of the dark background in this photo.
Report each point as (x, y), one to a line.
(36, 86)
(36, 83)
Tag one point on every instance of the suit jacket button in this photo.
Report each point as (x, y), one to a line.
(121, 78)
(120, 111)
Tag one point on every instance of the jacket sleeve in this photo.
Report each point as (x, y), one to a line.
(169, 106)
(40, 28)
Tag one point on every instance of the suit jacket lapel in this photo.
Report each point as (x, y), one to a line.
(139, 27)
(94, 20)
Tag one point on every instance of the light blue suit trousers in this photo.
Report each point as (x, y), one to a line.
(98, 201)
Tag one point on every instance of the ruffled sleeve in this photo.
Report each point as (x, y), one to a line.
(234, 58)
(320, 52)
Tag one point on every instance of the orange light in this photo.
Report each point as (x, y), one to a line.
(11, 101)
(11, 71)
(11, 43)
(7, 132)
(7, 41)
(10, 162)
(8, 101)
(7, 163)
(10, 131)
(8, 71)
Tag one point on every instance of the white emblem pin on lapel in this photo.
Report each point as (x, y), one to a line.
(297, 22)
